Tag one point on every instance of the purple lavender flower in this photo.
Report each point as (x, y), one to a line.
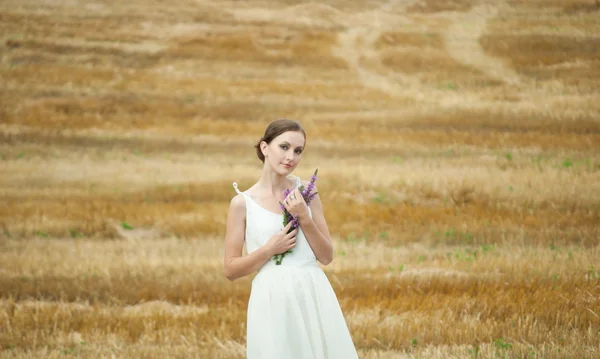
(287, 217)
(285, 194)
(311, 186)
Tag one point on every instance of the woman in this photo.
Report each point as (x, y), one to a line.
(293, 311)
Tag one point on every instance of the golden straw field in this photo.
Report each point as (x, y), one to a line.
(458, 147)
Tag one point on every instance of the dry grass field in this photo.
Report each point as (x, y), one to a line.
(458, 147)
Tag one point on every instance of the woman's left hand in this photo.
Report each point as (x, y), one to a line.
(295, 204)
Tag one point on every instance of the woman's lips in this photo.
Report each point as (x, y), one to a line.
(288, 166)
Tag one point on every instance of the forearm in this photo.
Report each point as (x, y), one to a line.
(321, 245)
(242, 266)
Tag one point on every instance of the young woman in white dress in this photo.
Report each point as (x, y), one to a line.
(293, 312)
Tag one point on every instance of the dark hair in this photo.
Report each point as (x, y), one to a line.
(275, 129)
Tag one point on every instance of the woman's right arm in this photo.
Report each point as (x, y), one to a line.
(236, 265)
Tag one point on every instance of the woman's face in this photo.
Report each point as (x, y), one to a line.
(284, 153)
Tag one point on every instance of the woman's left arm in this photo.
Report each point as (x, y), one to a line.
(316, 231)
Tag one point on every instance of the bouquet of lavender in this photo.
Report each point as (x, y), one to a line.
(287, 217)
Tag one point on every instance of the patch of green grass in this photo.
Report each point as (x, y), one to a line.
(381, 199)
(75, 233)
(567, 163)
(593, 273)
(537, 160)
(485, 248)
(448, 86)
(354, 238)
(450, 234)
(474, 353)
(73, 350)
(469, 253)
(466, 254)
(125, 225)
(468, 237)
(501, 347)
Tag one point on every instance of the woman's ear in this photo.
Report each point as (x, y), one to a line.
(263, 148)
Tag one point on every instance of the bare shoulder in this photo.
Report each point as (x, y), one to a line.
(238, 201)
(238, 204)
(250, 192)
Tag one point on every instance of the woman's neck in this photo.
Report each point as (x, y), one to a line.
(273, 183)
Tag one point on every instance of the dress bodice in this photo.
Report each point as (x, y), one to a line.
(262, 224)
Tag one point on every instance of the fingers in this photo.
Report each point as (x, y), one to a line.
(292, 197)
(285, 242)
(286, 204)
(291, 242)
(299, 195)
(292, 233)
(286, 228)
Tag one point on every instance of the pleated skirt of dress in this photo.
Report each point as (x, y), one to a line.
(293, 313)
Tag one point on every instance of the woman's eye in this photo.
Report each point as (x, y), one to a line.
(285, 147)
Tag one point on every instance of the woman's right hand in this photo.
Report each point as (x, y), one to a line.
(281, 242)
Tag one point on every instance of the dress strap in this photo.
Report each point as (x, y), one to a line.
(235, 185)
(244, 196)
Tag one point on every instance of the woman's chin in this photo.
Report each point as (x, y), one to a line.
(285, 170)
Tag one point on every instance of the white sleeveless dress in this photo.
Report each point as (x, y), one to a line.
(293, 312)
